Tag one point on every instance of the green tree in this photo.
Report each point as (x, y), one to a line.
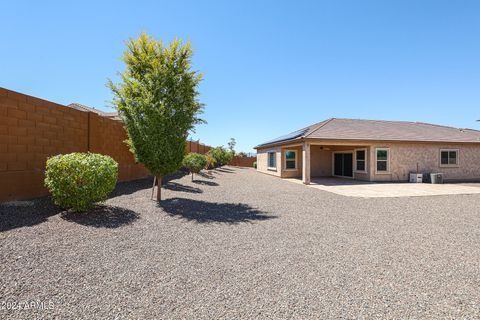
(231, 145)
(195, 162)
(221, 155)
(157, 100)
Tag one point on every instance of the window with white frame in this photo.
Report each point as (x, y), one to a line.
(382, 158)
(448, 157)
(272, 160)
(290, 160)
(361, 160)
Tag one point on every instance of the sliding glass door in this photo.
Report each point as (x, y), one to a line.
(343, 164)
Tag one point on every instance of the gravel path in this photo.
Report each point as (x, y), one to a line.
(240, 244)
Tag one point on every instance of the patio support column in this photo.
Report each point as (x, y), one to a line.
(306, 163)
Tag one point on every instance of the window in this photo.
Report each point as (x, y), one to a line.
(360, 159)
(448, 157)
(272, 160)
(290, 160)
(382, 160)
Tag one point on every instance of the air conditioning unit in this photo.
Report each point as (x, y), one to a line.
(437, 178)
(416, 177)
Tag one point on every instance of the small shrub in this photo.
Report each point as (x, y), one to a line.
(194, 162)
(78, 180)
(255, 164)
(211, 162)
(222, 156)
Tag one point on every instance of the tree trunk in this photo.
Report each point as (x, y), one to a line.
(153, 187)
(159, 189)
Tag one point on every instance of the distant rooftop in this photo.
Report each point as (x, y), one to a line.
(359, 129)
(81, 107)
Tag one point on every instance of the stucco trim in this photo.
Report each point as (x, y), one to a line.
(457, 165)
(388, 160)
(356, 142)
(355, 160)
(285, 159)
(268, 160)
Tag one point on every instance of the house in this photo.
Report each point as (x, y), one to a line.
(372, 150)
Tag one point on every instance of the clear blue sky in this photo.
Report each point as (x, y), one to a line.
(270, 67)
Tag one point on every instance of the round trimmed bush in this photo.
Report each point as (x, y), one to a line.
(255, 164)
(79, 180)
(195, 162)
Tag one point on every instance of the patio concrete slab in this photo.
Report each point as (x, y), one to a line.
(362, 189)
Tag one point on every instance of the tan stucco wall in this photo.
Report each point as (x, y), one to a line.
(403, 160)
(405, 156)
(320, 162)
(262, 161)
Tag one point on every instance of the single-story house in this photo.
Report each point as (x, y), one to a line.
(372, 150)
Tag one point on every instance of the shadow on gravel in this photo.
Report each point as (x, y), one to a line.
(129, 187)
(17, 214)
(206, 175)
(174, 186)
(206, 183)
(102, 216)
(226, 170)
(208, 212)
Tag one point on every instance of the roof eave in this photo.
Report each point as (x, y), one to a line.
(309, 139)
(278, 143)
(327, 140)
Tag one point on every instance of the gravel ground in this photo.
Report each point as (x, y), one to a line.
(240, 244)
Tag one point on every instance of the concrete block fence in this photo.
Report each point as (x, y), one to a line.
(243, 161)
(33, 129)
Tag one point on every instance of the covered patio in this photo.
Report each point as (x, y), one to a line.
(325, 160)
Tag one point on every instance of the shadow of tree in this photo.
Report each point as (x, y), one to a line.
(206, 183)
(17, 214)
(174, 186)
(129, 187)
(102, 216)
(206, 175)
(177, 175)
(225, 170)
(208, 212)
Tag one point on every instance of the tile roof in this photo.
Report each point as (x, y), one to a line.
(81, 107)
(359, 129)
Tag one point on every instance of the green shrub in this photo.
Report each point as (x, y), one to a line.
(78, 180)
(221, 155)
(194, 162)
(211, 162)
(255, 164)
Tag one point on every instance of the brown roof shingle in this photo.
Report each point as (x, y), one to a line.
(358, 129)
